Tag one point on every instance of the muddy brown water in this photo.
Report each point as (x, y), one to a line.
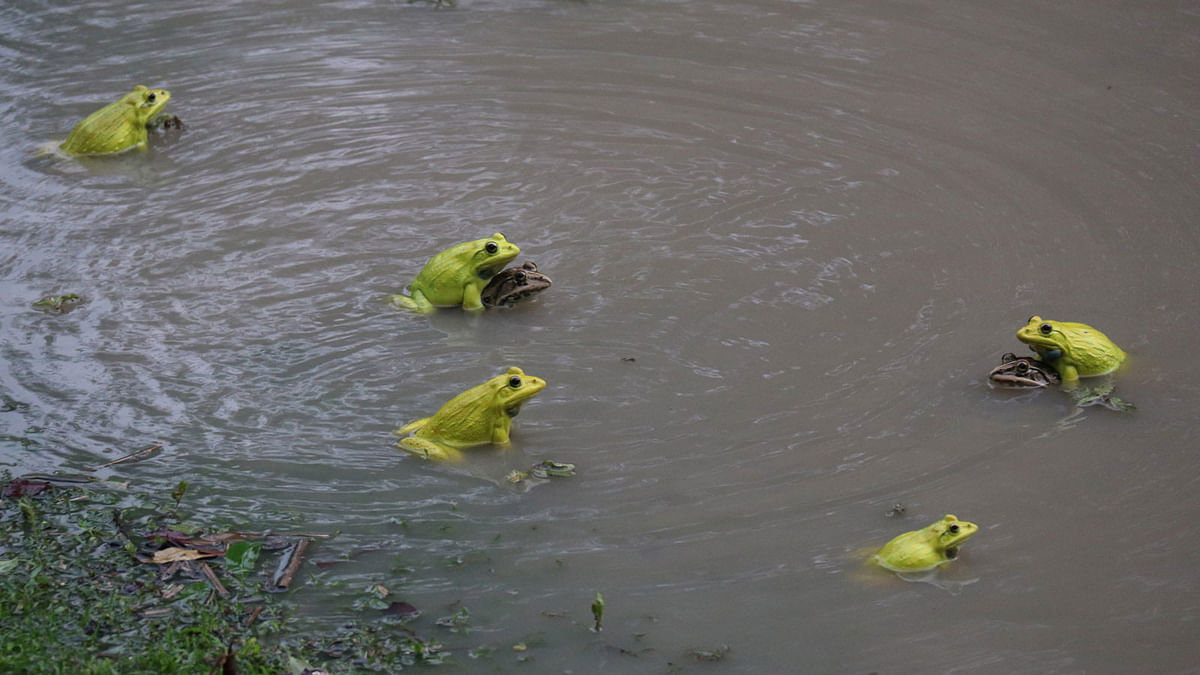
(788, 240)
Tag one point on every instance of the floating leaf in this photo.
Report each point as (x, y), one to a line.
(23, 487)
(402, 610)
(241, 556)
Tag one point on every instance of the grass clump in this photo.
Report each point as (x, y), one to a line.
(79, 594)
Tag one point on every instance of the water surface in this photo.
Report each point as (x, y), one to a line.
(788, 241)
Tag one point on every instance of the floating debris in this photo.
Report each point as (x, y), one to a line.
(58, 304)
(598, 612)
(289, 564)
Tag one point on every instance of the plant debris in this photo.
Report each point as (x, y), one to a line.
(101, 582)
(58, 304)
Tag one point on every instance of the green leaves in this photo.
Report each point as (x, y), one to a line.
(242, 556)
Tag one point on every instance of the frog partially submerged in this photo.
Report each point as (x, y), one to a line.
(1075, 350)
(58, 304)
(1023, 372)
(119, 126)
(513, 285)
(928, 548)
(480, 415)
(458, 275)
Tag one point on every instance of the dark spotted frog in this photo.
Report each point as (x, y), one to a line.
(513, 285)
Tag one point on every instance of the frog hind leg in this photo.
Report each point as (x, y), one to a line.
(411, 426)
(427, 449)
(417, 302)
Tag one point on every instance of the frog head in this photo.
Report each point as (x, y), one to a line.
(1047, 338)
(147, 103)
(513, 389)
(951, 533)
(489, 256)
(514, 285)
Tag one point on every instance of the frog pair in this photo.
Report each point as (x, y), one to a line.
(472, 274)
(1066, 351)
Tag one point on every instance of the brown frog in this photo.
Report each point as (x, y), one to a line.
(513, 285)
(1023, 372)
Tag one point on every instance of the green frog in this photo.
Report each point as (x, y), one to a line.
(458, 275)
(480, 415)
(118, 126)
(1023, 372)
(513, 285)
(1075, 350)
(926, 549)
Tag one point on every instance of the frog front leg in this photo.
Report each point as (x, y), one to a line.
(501, 430)
(1070, 376)
(472, 296)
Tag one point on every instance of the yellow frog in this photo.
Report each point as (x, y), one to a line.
(1075, 350)
(478, 416)
(458, 275)
(926, 549)
(118, 126)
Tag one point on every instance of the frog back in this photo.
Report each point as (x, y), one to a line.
(467, 419)
(1092, 352)
(443, 278)
(113, 128)
(912, 551)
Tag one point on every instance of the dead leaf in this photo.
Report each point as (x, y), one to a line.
(24, 487)
(174, 554)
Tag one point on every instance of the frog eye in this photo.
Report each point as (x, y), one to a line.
(1045, 329)
(1022, 368)
(492, 247)
(520, 276)
(150, 98)
(953, 529)
(514, 382)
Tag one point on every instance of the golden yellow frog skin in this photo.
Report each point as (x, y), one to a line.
(118, 126)
(927, 548)
(1075, 350)
(478, 416)
(458, 275)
